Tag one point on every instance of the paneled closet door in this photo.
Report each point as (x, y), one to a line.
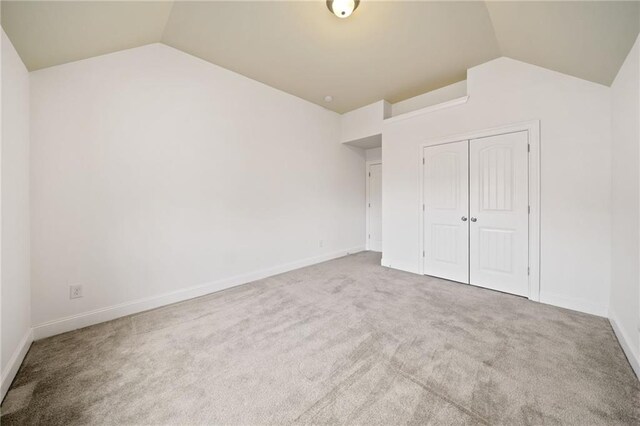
(498, 213)
(446, 202)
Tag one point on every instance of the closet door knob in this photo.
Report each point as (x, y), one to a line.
(473, 219)
(464, 218)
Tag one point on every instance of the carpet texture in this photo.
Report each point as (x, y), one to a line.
(342, 342)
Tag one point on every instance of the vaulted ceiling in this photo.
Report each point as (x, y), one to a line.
(389, 50)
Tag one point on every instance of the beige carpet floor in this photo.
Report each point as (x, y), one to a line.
(343, 342)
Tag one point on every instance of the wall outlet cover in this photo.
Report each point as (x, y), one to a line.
(75, 291)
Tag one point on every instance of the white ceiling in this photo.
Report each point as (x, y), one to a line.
(386, 50)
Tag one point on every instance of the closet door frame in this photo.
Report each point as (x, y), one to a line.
(533, 134)
(368, 164)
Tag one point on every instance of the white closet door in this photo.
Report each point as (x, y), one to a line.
(498, 213)
(446, 202)
(375, 207)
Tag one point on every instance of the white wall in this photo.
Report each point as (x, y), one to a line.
(364, 122)
(154, 172)
(575, 170)
(443, 94)
(373, 154)
(624, 310)
(14, 266)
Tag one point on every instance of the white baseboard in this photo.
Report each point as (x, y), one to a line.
(400, 265)
(15, 362)
(574, 304)
(85, 319)
(545, 297)
(632, 353)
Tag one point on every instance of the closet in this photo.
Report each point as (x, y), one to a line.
(476, 212)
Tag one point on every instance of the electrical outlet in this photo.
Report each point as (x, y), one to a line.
(75, 291)
(321, 243)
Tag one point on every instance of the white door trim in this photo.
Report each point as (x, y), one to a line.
(366, 205)
(533, 131)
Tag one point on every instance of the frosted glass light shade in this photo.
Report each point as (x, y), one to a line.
(342, 8)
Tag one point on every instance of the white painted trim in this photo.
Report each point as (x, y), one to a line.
(533, 130)
(572, 303)
(428, 109)
(399, 265)
(367, 171)
(85, 319)
(15, 362)
(632, 354)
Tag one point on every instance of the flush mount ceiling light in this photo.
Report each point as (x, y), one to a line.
(342, 8)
